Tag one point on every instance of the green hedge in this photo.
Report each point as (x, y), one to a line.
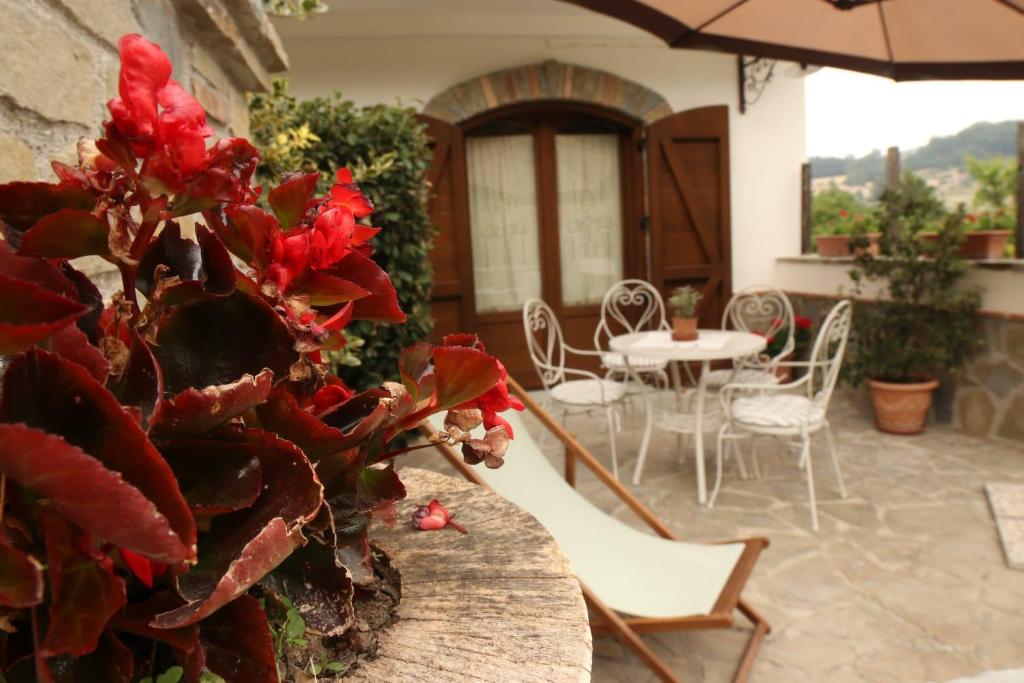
(386, 148)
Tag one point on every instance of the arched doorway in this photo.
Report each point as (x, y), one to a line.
(549, 198)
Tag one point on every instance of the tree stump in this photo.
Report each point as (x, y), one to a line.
(500, 603)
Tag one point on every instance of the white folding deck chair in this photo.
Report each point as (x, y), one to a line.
(768, 410)
(633, 581)
(764, 310)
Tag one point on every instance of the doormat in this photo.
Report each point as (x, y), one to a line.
(1007, 501)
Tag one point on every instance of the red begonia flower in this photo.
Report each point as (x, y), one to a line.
(346, 194)
(330, 396)
(803, 323)
(290, 255)
(495, 400)
(433, 516)
(143, 568)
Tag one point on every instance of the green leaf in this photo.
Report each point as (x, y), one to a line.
(172, 675)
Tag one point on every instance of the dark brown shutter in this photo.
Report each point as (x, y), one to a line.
(688, 185)
(452, 306)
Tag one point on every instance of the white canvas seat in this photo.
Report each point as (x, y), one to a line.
(719, 378)
(634, 581)
(587, 392)
(786, 410)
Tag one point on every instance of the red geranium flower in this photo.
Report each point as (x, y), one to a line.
(803, 323)
(844, 213)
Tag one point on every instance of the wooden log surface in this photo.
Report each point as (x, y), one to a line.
(500, 603)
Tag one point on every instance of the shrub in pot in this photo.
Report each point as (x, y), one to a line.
(990, 225)
(178, 465)
(919, 327)
(683, 309)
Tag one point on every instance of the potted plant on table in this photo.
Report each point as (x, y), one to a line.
(185, 489)
(920, 325)
(683, 307)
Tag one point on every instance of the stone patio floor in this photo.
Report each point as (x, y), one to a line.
(905, 581)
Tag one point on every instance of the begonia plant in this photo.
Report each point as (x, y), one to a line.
(164, 454)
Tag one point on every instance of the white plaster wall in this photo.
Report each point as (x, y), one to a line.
(411, 58)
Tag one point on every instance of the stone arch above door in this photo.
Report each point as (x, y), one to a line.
(549, 80)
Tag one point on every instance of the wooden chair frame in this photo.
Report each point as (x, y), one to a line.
(628, 629)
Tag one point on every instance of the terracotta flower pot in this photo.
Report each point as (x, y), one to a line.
(984, 244)
(684, 329)
(831, 246)
(901, 408)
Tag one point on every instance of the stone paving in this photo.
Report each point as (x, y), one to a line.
(905, 581)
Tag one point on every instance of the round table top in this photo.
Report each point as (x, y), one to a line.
(710, 345)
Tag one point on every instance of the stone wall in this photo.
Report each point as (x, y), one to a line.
(59, 67)
(986, 396)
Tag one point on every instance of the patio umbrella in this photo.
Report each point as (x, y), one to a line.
(901, 39)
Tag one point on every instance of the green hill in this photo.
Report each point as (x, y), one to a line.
(983, 139)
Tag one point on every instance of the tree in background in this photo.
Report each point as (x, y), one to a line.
(386, 147)
(995, 198)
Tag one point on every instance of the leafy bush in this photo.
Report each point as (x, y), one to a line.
(835, 211)
(164, 454)
(389, 155)
(683, 302)
(913, 205)
(995, 198)
(922, 323)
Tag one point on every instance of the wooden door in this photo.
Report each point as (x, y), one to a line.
(688, 194)
(451, 305)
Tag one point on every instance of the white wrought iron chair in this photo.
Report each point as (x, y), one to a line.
(631, 306)
(584, 394)
(764, 310)
(758, 409)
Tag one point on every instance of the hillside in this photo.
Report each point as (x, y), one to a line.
(983, 139)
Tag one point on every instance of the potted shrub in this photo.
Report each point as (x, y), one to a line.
(683, 308)
(837, 216)
(184, 487)
(918, 328)
(988, 229)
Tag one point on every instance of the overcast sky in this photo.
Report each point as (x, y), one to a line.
(853, 113)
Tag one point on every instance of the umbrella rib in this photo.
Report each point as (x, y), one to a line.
(885, 32)
(697, 29)
(1012, 5)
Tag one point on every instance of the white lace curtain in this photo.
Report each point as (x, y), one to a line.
(503, 220)
(589, 216)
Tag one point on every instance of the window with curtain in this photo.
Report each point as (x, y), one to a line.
(503, 220)
(589, 215)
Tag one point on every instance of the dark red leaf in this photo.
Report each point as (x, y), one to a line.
(37, 271)
(382, 304)
(215, 476)
(359, 416)
(22, 204)
(194, 411)
(184, 641)
(92, 496)
(68, 233)
(141, 385)
(290, 199)
(71, 343)
(247, 232)
(413, 363)
(110, 662)
(203, 266)
(325, 290)
(238, 643)
(217, 341)
(49, 393)
(319, 587)
(21, 578)
(378, 487)
(282, 414)
(241, 547)
(85, 592)
(461, 374)
(230, 164)
(30, 313)
(88, 295)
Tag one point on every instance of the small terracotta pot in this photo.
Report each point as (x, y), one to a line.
(901, 408)
(831, 246)
(684, 329)
(984, 244)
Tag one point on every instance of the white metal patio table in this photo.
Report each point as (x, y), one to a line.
(710, 345)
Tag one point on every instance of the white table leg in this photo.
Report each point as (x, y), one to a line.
(648, 423)
(698, 437)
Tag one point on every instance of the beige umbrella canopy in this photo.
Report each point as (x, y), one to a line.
(901, 39)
